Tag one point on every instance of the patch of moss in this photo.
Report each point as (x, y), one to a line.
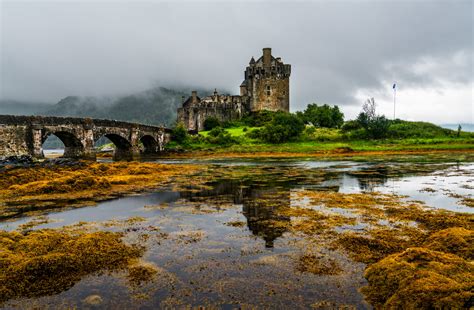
(47, 261)
(236, 223)
(317, 264)
(141, 273)
(371, 248)
(419, 278)
(467, 201)
(38, 188)
(456, 240)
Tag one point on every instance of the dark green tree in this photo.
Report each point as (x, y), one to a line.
(180, 134)
(282, 128)
(211, 122)
(322, 116)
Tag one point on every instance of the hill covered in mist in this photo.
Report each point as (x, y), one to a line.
(156, 106)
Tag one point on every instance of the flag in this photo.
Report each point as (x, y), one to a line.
(394, 85)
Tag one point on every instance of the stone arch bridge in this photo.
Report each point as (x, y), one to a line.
(24, 135)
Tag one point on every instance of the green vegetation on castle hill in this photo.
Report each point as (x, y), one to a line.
(276, 132)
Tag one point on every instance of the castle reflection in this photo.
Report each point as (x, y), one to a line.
(261, 205)
(265, 197)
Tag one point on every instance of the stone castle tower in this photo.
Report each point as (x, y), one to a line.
(266, 87)
(267, 83)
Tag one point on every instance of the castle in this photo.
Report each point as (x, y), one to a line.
(266, 87)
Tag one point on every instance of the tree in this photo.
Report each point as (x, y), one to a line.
(180, 134)
(211, 122)
(375, 125)
(322, 116)
(282, 128)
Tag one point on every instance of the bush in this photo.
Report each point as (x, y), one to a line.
(259, 118)
(211, 122)
(350, 126)
(322, 116)
(322, 134)
(375, 125)
(220, 136)
(282, 128)
(180, 134)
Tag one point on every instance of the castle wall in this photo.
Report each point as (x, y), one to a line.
(194, 116)
(279, 98)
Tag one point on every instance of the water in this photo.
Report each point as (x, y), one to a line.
(206, 261)
(52, 153)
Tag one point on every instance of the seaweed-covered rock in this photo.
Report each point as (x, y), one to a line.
(47, 261)
(419, 278)
(456, 240)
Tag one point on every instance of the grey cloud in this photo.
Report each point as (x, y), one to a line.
(54, 49)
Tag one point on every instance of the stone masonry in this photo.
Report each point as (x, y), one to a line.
(25, 135)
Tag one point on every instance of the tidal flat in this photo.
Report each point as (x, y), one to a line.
(356, 232)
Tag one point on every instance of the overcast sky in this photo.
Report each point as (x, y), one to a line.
(341, 52)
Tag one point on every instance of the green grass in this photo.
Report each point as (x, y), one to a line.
(324, 139)
(234, 131)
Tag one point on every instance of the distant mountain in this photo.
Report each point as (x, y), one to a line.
(156, 106)
(464, 126)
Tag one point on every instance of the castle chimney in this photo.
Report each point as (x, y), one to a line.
(267, 56)
(194, 95)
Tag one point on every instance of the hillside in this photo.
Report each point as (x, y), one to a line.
(156, 106)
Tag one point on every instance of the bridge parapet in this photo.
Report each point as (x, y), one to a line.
(21, 135)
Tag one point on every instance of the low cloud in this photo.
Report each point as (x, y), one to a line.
(338, 50)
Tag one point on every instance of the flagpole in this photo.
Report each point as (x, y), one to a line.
(394, 98)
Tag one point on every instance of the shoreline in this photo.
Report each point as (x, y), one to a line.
(317, 154)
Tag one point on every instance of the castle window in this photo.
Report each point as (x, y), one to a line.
(269, 90)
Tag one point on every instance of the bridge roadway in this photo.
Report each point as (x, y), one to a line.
(25, 135)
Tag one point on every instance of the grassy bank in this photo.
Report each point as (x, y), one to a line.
(321, 141)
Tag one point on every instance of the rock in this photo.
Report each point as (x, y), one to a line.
(21, 160)
(93, 300)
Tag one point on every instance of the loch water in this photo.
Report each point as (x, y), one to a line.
(228, 246)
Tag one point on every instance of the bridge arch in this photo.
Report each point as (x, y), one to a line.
(72, 145)
(123, 147)
(150, 145)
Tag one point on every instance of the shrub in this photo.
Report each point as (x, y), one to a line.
(220, 136)
(282, 128)
(180, 134)
(350, 126)
(322, 116)
(322, 134)
(211, 122)
(259, 118)
(375, 125)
